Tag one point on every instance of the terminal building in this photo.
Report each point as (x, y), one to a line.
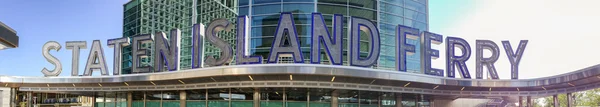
(282, 84)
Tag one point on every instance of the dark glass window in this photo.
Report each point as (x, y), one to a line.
(243, 11)
(411, 4)
(343, 2)
(271, 97)
(388, 100)
(299, 7)
(398, 2)
(265, 20)
(266, 9)
(218, 97)
(242, 97)
(243, 2)
(296, 97)
(298, 0)
(320, 97)
(348, 98)
(265, 1)
(363, 13)
(331, 9)
(196, 95)
(371, 4)
(369, 99)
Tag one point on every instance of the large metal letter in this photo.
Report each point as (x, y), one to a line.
(138, 52)
(365, 25)
(118, 44)
(286, 26)
(402, 48)
(480, 61)
(51, 45)
(320, 34)
(198, 46)
(75, 46)
(96, 53)
(427, 53)
(457, 61)
(242, 43)
(166, 54)
(514, 58)
(211, 34)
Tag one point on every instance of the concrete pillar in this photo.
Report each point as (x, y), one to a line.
(555, 100)
(398, 100)
(144, 98)
(13, 97)
(569, 99)
(93, 100)
(308, 98)
(334, 98)
(183, 98)
(529, 102)
(256, 96)
(29, 98)
(417, 100)
(520, 101)
(129, 99)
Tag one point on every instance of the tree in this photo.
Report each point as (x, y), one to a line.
(584, 98)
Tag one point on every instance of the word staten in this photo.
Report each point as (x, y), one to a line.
(167, 53)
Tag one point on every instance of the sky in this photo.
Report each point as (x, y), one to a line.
(561, 33)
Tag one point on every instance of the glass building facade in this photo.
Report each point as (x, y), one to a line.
(387, 14)
(148, 16)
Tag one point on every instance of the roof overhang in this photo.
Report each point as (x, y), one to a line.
(313, 76)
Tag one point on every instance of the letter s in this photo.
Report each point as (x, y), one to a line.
(51, 45)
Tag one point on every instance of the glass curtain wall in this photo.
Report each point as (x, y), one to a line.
(269, 97)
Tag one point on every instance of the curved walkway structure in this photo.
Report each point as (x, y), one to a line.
(316, 76)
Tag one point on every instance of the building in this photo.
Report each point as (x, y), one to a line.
(281, 85)
(8, 37)
(386, 13)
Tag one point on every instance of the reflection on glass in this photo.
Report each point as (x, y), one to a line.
(320, 97)
(153, 98)
(218, 97)
(196, 98)
(170, 98)
(347, 98)
(388, 100)
(242, 97)
(271, 97)
(296, 97)
(266, 9)
(369, 99)
(298, 7)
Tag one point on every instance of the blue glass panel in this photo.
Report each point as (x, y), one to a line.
(299, 7)
(398, 2)
(302, 19)
(410, 4)
(391, 19)
(243, 11)
(415, 15)
(298, 0)
(394, 9)
(266, 9)
(243, 2)
(265, 1)
(265, 20)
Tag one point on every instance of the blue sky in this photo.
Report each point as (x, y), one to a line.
(86, 20)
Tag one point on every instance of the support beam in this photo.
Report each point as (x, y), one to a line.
(183, 98)
(256, 100)
(520, 101)
(529, 102)
(398, 99)
(569, 99)
(129, 99)
(334, 98)
(555, 100)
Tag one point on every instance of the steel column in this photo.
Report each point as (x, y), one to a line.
(256, 100)
(529, 102)
(398, 99)
(555, 100)
(520, 101)
(129, 99)
(569, 99)
(183, 98)
(334, 98)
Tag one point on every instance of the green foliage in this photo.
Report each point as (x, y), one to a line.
(584, 98)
